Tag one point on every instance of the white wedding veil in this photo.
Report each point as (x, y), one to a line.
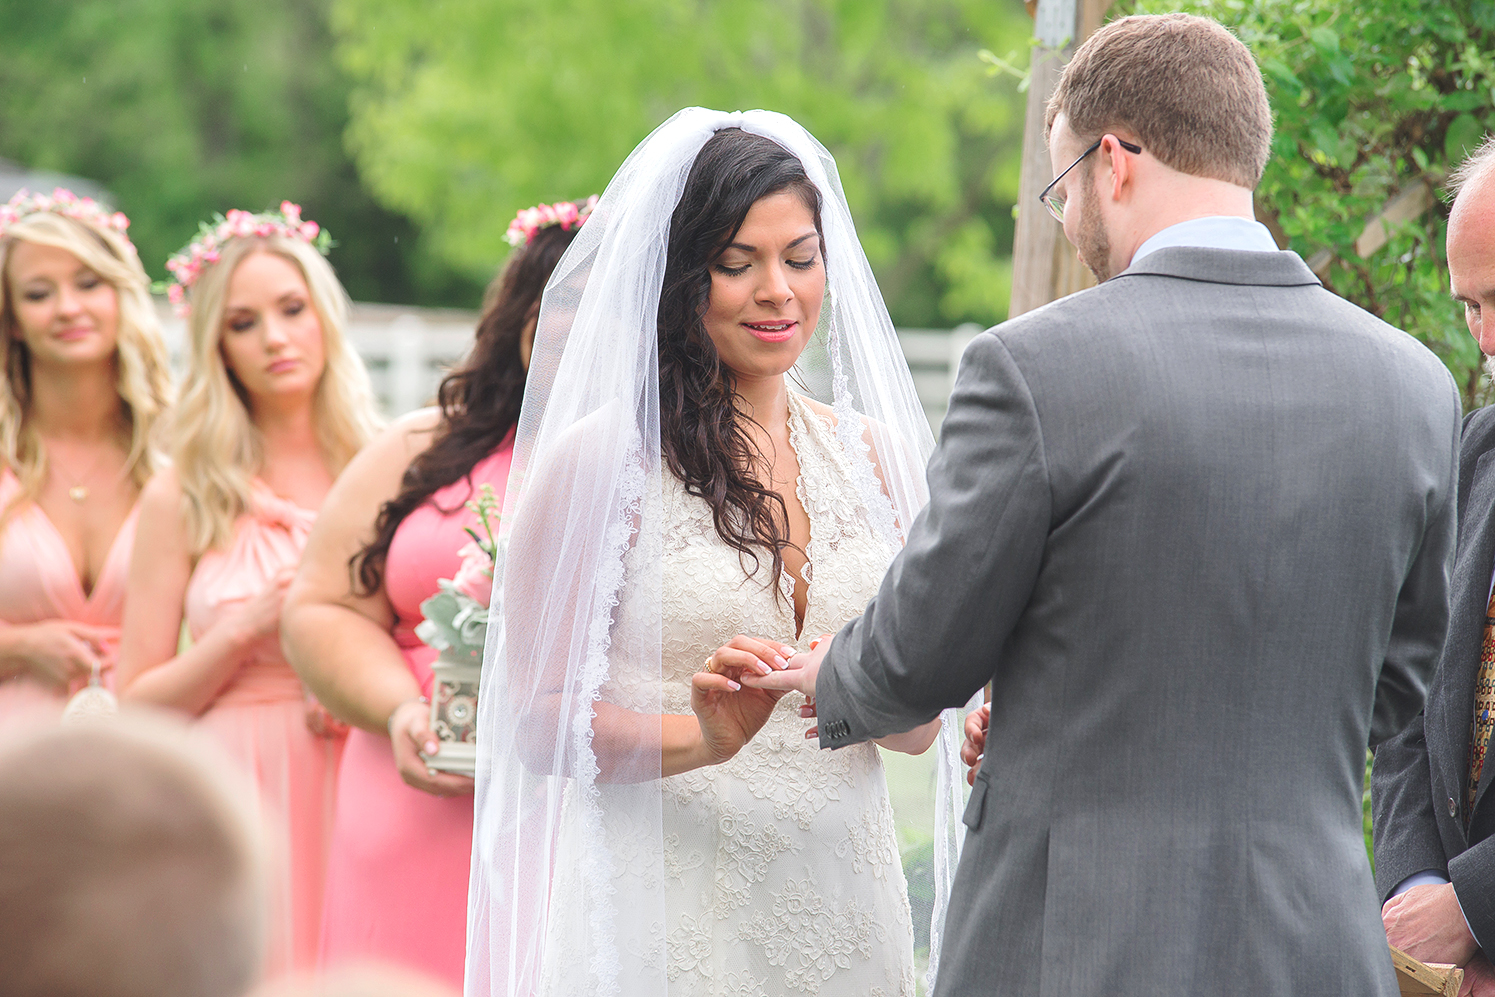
(567, 860)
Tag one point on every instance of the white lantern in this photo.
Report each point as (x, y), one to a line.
(454, 711)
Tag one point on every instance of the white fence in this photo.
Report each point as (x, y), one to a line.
(407, 350)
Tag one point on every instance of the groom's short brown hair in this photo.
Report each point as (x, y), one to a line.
(1183, 85)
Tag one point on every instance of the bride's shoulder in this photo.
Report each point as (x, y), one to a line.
(820, 408)
(869, 437)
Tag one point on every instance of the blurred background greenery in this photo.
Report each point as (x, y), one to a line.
(414, 129)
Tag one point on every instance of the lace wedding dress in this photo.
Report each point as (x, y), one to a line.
(780, 873)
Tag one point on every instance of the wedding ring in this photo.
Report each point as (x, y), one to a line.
(708, 661)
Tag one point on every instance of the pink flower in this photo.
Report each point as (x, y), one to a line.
(309, 230)
(475, 578)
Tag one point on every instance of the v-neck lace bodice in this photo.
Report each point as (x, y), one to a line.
(781, 867)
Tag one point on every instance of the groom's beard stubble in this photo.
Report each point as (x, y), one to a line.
(1093, 246)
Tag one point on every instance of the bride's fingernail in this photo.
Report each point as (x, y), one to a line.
(431, 747)
(761, 668)
(779, 660)
(734, 686)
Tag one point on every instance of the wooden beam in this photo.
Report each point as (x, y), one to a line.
(1412, 201)
(1409, 203)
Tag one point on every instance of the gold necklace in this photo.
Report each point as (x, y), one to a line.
(77, 490)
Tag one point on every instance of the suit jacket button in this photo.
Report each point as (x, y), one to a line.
(1453, 808)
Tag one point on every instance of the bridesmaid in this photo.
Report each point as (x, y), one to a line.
(397, 887)
(85, 382)
(275, 404)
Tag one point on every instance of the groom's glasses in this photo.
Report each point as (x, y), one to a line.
(1055, 202)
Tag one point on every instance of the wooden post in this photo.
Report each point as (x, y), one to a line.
(1044, 264)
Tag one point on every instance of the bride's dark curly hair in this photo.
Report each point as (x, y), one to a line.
(702, 440)
(479, 400)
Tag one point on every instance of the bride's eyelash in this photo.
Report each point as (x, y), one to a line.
(809, 264)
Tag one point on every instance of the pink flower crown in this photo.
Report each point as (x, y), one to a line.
(188, 263)
(67, 204)
(566, 214)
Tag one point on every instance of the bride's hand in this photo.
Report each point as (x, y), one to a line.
(729, 714)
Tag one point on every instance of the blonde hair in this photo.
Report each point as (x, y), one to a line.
(216, 448)
(143, 374)
(1184, 85)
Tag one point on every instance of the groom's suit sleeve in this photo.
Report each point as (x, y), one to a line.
(933, 634)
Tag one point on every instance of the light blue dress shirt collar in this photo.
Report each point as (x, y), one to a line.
(1212, 232)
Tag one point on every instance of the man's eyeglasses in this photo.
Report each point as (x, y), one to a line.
(1054, 202)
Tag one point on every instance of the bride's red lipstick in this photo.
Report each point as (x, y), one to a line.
(772, 332)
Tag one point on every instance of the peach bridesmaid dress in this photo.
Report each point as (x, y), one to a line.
(397, 887)
(38, 581)
(259, 717)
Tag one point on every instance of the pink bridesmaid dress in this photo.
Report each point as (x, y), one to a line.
(259, 717)
(397, 888)
(39, 581)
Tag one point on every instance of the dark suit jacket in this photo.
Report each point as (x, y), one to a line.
(1195, 526)
(1418, 783)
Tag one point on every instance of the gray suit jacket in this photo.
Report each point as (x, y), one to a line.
(1195, 526)
(1420, 775)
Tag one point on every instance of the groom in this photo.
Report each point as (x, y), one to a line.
(1194, 526)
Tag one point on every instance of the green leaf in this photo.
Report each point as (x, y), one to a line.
(1324, 38)
(1482, 13)
(1463, 100)
(1464, 135)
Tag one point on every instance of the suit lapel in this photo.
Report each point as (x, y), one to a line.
(1471, 585)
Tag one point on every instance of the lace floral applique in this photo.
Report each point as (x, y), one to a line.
(871, 842)
(689, 947)
(679, 860)
(747, 848)
(809, 938)
(743, 984)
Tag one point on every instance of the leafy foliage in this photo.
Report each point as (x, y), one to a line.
(186, 107)
(1368, 98)
(467, 110)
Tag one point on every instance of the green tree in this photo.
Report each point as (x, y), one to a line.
(466, 110)
(186, 107)
(1369, 99)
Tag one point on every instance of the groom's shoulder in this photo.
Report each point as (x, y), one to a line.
(1079, 316)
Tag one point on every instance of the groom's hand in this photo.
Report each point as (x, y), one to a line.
(799, 676)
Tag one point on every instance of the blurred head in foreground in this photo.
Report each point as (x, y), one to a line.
(126, 870)
(370, 980)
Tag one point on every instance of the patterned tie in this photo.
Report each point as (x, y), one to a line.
(1484, 708)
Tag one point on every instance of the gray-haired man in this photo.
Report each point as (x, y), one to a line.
(1434, 815)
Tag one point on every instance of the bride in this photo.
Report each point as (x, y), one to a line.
(645, 824)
